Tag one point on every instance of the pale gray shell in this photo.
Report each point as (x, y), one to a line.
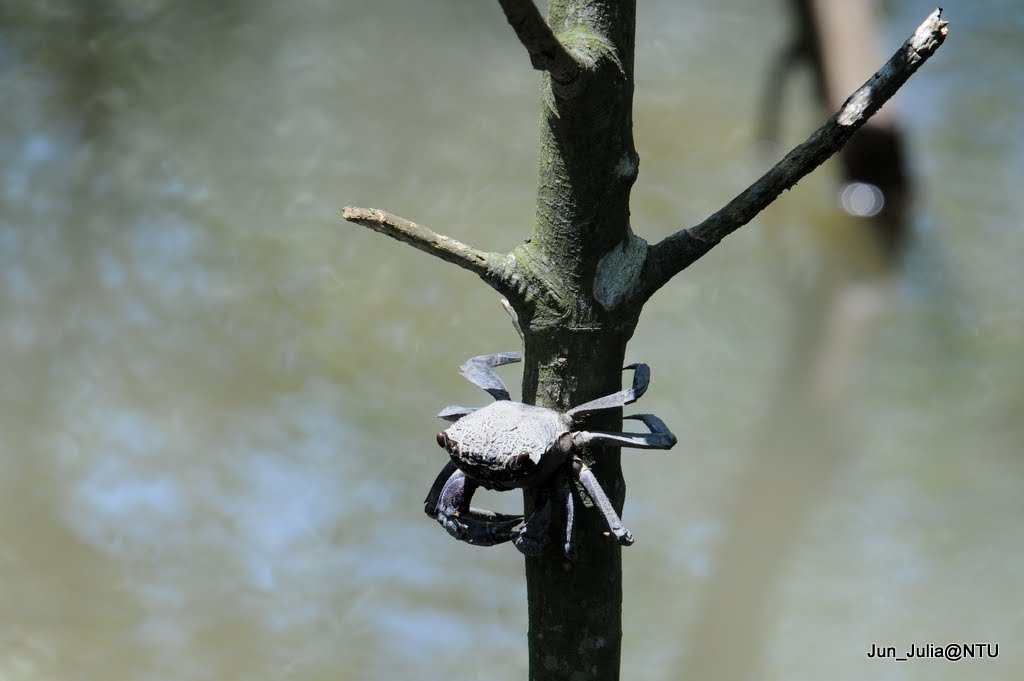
(506, 444)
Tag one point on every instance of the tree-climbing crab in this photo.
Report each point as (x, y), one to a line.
(508, 445)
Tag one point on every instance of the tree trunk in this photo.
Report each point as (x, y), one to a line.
(574, 347)
(575, 605)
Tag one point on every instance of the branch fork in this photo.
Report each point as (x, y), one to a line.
(678, 251)
(546, 52)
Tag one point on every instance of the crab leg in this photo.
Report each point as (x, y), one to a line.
(480, 372)
(534, 537)
(660, 436)
(600, 499)
(641, 379)
(454, 412)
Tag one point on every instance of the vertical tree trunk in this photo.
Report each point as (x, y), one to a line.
(575, 347)
(575, 607)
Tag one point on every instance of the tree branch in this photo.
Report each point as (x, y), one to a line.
(676, 252)
(546, 52)
(491, 267)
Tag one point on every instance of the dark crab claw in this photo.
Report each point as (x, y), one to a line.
(448, 503)
(533, 538)
(477, 527)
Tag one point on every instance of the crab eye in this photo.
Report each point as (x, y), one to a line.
(442, 440)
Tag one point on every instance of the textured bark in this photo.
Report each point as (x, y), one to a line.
(579, 283)
(575, 347)
(575, 607)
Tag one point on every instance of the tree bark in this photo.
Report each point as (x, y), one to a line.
(575, 346)
(578, 285)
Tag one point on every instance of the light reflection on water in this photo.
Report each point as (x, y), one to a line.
(217, 400)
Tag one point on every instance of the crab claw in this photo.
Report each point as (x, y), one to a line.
(533, 538)
(448, 504)
(478, 527)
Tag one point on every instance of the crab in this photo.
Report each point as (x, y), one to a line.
(508, 445)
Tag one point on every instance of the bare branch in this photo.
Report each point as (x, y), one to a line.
(546, 52)
(491, 267)
(678, 251)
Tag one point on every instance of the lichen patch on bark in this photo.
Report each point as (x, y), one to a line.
(618, 270)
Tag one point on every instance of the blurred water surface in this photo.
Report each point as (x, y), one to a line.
(217, 399)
